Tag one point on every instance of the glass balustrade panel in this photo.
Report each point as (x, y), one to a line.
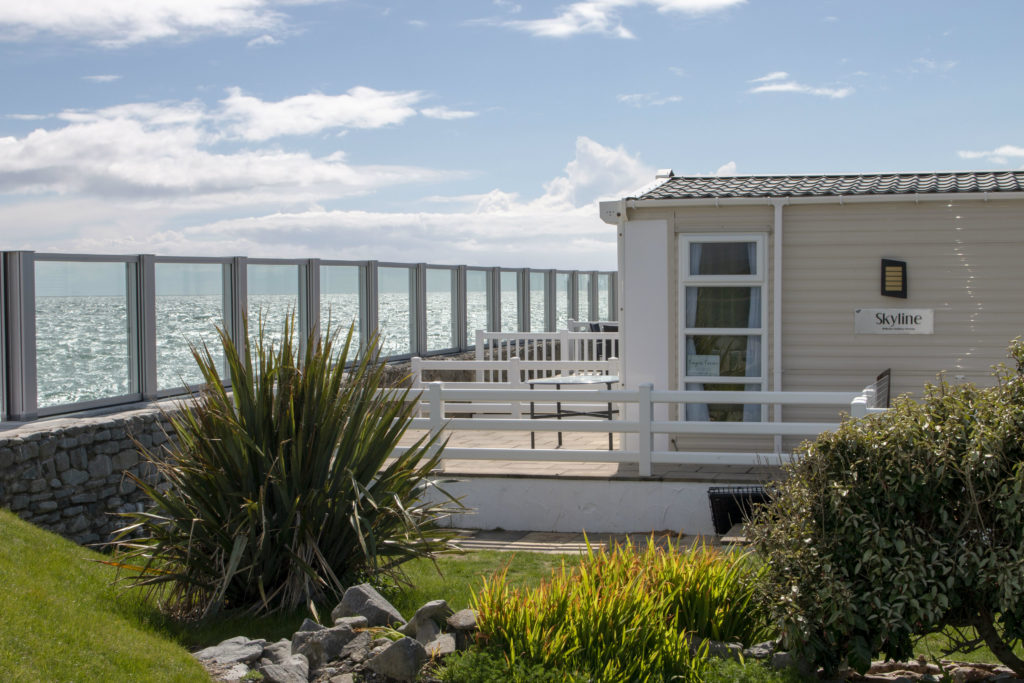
(394, 309)
(189, 309)
(82, 331)
(342, 301)
(441, 327)
(477, 303)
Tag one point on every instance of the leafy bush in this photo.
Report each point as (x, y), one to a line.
(284, 488)
(487, 666)
(625, 615)
(902, 523)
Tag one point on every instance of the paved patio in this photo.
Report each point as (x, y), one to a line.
(575, 543)
(724, 474)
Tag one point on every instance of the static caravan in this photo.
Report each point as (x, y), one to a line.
(816, 283)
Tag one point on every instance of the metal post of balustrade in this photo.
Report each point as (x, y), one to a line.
(523, 276)
(236, 299)
(418, 301)
(20, 332)
(145, 339)
(309, 300)
(370, 325)
(461, 308)
(493, 299)
(645, 436)
(551, 300)
(573, 295)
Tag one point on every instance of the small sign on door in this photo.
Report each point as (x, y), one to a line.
(702, 366)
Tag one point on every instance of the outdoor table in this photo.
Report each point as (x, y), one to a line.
(574, 380)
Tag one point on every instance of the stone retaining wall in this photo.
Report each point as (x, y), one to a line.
(67, 475)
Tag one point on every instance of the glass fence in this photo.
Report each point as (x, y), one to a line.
(82, 331)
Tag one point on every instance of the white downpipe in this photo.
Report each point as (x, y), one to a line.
(777, 313)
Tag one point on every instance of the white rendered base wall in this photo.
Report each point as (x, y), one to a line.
(574, 505)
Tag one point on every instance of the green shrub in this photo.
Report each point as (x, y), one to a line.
(625, 615)
(903, 523)
(729, 671)
(487, 666)
(283, 487)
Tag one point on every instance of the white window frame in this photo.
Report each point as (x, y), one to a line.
(686, 279)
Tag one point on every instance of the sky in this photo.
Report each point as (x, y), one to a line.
(478, 132)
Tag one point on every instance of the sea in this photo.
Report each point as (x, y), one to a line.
(83, 342)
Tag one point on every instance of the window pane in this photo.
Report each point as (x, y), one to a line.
(604, 299)
(394, 310)
(538, 304)
(476, 303)
(723, 258)
(342, 302)
(583, 296)
(440, 309)
(716, 355)
(273, 296)
(82, 333)
(509, 302)
(723, 307)
(723, 412)
(561, 301)
(189, 308)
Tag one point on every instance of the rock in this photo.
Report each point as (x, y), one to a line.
(785, 660)
(310, 625)
(725, 650)
(463, 620)
(363, 600)
(342, 678)
(760, 650)
(423, 626)
(442, 646)
(356, 622)
(321, 646)
(401, 660)
(968, 674)
(356, 649)
(295, 672)
(233, 651)
(279, 652)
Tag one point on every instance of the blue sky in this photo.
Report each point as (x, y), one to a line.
(465, 131)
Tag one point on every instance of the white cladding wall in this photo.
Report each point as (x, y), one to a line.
(963, 261)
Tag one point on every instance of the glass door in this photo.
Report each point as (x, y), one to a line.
(722, 330)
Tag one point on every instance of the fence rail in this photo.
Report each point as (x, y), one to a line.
(439, 401)
(80, 331)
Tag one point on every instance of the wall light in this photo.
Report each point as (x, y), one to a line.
(894, 278)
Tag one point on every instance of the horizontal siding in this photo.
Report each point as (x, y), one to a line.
(963, 262)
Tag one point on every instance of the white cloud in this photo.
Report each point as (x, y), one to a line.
(726, 169)
(678, 71)
(118, 23)
(779, 81)
(558, 228)
(773, 76)
(602, 16)
(417, 23)
(999, 155)
(925, 64)
(361, 107)
(446, 114)
(264, 40)
(165, 152)
(102, 78)
(647, 99)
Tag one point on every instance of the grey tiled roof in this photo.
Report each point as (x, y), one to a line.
(835, 185)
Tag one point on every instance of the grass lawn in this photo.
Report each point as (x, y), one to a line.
(63, 621)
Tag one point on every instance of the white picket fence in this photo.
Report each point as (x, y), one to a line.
(440, 400)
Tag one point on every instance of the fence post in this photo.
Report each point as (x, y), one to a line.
(479, 353)
(645, 437)
(436, 408)
(859, 406)
(515, 381)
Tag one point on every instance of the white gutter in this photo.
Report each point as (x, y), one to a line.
(777, 312)
(836, 199)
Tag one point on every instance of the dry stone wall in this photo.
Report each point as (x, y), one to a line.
(68, 475)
